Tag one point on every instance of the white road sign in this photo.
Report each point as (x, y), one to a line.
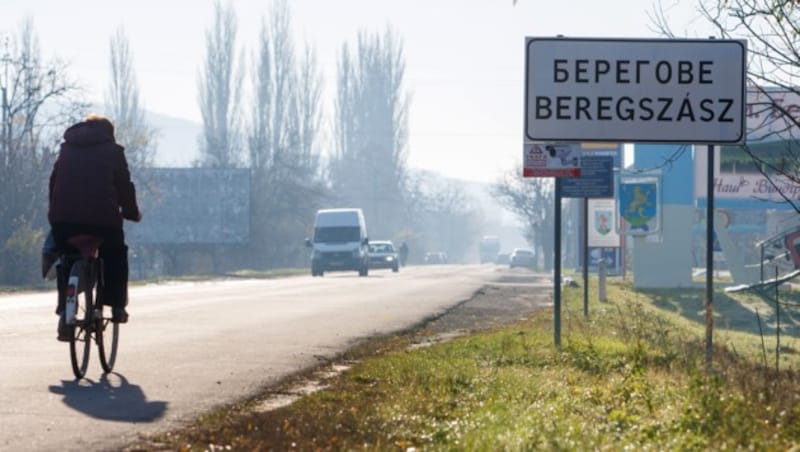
(633, 90)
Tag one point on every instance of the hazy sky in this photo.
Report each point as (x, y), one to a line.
(464, 58)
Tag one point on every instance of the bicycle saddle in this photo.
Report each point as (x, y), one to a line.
(88, 245)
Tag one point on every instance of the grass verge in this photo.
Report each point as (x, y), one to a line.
(632, 376)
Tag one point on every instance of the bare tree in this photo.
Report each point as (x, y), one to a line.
(260, 127)
(273, 130)
(37, 104)
(122, 99)
(371, 126)
(532, 200)
(309, 113)
(282, 139)
(440, 217)
(219, 93)
(771, 28)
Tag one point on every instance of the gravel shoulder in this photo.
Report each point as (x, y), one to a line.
(516, 295)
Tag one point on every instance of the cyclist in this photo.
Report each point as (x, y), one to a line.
(90, 193)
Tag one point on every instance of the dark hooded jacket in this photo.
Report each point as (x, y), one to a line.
(90, 183)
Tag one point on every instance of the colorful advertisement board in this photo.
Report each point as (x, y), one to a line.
(551, 160)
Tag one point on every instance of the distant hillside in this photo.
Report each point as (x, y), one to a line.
(176, 140)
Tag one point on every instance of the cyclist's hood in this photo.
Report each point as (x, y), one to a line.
(88, 133)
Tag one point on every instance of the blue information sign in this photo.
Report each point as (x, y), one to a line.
(596, 179)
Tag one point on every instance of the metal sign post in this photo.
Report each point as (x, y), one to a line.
(557, 268)
(710, 259)
(585, 257)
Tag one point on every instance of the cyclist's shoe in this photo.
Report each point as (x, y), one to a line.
(63, 330)
(119, 315)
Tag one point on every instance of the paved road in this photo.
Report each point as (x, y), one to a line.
(192, 346)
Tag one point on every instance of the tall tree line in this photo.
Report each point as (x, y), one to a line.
(283, 136)
(282, 126)
(123, 102)
(368, 168)
(219, 87)
(38, 100)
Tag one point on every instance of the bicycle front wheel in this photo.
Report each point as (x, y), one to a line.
(81, 337)
(107, 340)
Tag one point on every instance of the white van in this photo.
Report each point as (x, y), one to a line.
(340, 242)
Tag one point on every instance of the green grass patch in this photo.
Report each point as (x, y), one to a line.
(631, 376)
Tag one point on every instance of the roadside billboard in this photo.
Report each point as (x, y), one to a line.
(192, 206)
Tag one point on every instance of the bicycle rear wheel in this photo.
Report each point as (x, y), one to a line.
(80, 338)
(107, 339)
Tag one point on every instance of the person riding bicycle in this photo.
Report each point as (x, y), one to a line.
(90, 194)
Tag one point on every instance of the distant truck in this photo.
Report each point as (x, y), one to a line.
(489, 248)
(340, 242)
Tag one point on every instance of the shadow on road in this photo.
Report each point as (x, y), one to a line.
(112, 398)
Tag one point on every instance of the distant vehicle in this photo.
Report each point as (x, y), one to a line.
(436, 258)
(522, 257)
(340, 242)
(382, 254)
(488, 248)
(502, 259)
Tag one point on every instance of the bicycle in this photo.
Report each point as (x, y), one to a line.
(81, 280)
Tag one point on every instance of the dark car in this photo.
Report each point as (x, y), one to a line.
(382, 254)
(522, 257)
